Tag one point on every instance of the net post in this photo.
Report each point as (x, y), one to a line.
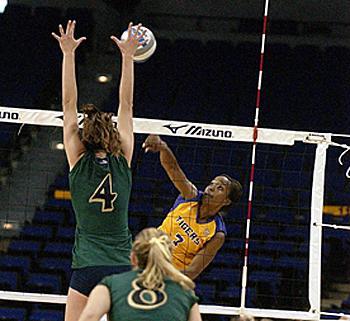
(316, 231)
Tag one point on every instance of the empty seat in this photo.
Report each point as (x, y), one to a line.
(46, 315)
(49, 217)
(263, 262)
(59, 203)
(264, 232)
(39, 282)
(24, 247)
(141, 208)
(8, 281)
(18, 263)
(65, 233)
(58, 249)
(295, 263)
(206, 291)
(223, 274)
(37, 232)
(12, 314)
(55, 264)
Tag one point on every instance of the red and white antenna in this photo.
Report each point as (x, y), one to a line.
(252, 168)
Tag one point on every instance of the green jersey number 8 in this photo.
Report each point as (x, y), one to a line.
(104, 194)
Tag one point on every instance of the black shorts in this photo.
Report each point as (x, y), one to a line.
(85, 279)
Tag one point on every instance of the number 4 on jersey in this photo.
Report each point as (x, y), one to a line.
(104, 194)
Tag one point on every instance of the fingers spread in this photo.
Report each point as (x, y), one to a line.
(72, 28)
(55, 36)
(129, 30)
(61, 30)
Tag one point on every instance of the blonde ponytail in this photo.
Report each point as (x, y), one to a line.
(153, 251)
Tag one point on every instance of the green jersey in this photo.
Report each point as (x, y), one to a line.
(131, 302)
(100, 190)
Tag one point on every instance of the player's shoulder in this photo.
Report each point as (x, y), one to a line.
(220, 224)
(184, 294)
(118, 279)
(181, 200)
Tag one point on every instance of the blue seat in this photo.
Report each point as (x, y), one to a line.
(293, 162)
(279, 247)
(58, 249)
(46, 315)
(144, 208)
(298, 263)
(12, 314)
(207, 291)
(154, 221)
(43, 282)
(37, 232)
(55, 264)
(58, 203)
(65, 233)
(8, 280)
(270, 278)
(24, 247)
(269, 232)
(301, 233)
(261, 261)
(61, 182)
(233, 244)
(227, 259)
(20, 263)
(49, 217)
(291, 179)
(231, 292)
(224, 274)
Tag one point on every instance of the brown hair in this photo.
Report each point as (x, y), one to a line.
(235, 193)
(152, 248)
(99, 132)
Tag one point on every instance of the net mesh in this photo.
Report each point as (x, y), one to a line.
(278, 260)
(38, 222)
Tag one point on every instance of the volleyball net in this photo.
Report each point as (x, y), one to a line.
(286, 254)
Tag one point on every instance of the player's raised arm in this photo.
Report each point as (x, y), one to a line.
(169, 162)
(203, 258)
(68, 44)
(126, 90)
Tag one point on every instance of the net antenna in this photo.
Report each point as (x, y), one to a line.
(252, 168)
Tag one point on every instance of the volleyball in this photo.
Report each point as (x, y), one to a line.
(147, 46)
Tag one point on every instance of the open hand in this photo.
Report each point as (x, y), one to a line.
(129, 46)
(67, 41)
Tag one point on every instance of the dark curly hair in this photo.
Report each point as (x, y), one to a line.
(99, 131)
(235, 193)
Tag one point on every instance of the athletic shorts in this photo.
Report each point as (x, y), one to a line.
(85, 279)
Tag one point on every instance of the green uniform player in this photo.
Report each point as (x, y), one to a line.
(99, 158)
(131, 301)
(100, 196)
(154, 291)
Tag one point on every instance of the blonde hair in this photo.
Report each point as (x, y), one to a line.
(152, 248)
(99, 132)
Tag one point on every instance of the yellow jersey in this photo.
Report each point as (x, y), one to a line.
(187, 234)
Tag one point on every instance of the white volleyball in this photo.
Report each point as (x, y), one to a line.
(148, 43)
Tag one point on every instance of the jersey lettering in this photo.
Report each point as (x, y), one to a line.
(145, 299)
(104, 194)
(179, 239)
(188, 230)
